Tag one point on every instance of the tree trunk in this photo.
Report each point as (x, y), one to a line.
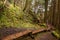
(46, 6)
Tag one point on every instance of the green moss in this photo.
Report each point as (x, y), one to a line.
(43, 25)
(56, 33)
(15, 17)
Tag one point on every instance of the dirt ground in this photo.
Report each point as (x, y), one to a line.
(40, 36)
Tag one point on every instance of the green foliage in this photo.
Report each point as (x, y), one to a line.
(1, 4)
(14, 16)
(42, 1)
(43, 25)
(10, 16)
(56, 33)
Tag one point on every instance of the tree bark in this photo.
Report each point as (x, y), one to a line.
(46, 5)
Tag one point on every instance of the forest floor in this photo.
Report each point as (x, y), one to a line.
(40, 36)
(26, 34)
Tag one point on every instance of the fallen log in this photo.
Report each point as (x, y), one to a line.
(25, 32)
(16, 35)
(49, 28)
